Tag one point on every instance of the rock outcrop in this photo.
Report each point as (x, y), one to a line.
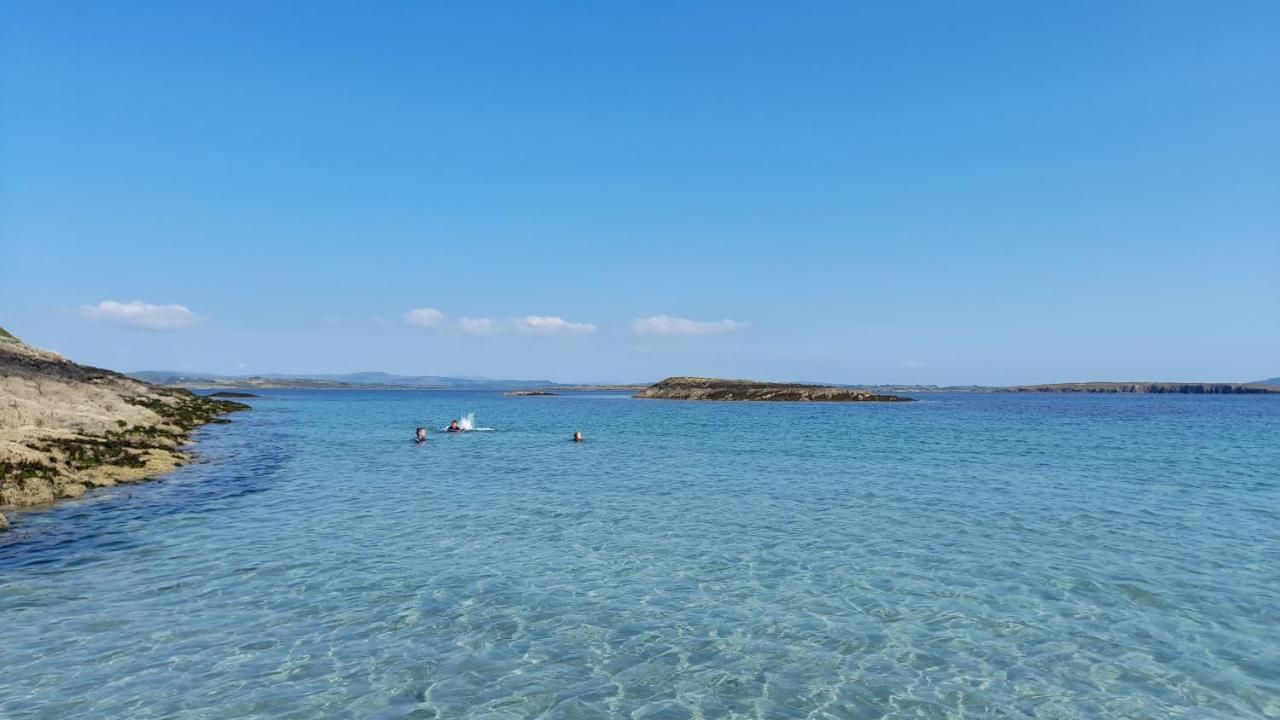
(66, 428)
(1155, 387)
(696, 388)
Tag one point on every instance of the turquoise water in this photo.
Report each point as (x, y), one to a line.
(976, 556)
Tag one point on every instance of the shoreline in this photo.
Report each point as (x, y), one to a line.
(77, 465)
(66, 429)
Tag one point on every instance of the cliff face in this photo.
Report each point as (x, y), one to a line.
(693, 388)
(1156, 387)
(65, 428)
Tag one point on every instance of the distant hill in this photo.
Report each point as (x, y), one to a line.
(1273, 381)
(331, 381)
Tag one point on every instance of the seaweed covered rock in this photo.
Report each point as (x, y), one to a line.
(65, 427)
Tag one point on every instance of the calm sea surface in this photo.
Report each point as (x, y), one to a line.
(966, 556)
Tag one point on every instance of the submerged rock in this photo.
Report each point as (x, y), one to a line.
(696, 388)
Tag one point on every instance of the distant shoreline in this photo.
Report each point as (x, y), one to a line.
(718, 390)
(1139, 387)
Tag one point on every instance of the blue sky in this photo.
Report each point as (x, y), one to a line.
(893, 192)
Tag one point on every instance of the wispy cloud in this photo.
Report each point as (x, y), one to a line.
(667, 325)
(478, 326)
(551, 325)
(547, 325)
(140, 314)
(425, 317)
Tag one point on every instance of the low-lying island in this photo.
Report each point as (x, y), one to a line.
(698, 388)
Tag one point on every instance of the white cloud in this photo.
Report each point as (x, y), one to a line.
(550, 325)
(913, 363)
(140, 314)
(425, 317)
(527, 325)
(667, 325)
(477, 326)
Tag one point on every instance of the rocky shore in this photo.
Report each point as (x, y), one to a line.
(695, 388)
(66, 428)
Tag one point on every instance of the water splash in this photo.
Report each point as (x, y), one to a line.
(468, 424)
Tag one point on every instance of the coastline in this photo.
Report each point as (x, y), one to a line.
(73, 465)
(66, 428)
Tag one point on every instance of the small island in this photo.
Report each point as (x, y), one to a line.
(697, 388)
(528, 393)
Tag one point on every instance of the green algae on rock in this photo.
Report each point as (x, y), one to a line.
(66, 427)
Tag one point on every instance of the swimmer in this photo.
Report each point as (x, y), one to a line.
(454, 427)
(577, 436)
(420, 436)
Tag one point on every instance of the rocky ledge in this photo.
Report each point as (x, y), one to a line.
(66, 428)
(696, 388)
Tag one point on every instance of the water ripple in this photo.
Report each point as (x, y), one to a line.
(965, 556)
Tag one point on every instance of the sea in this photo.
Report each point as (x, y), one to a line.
(963, 556)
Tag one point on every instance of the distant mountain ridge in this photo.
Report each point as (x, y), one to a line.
(369, 379)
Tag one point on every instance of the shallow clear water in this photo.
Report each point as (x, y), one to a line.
(984, 556)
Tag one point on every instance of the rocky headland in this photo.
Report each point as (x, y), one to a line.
(66, 428)
(696, 388)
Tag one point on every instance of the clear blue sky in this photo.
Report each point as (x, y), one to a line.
(895, 192)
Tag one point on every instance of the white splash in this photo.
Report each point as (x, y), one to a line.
(468, 424)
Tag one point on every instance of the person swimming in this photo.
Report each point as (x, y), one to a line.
(577, 436)
(420, 435)
(453, 426)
